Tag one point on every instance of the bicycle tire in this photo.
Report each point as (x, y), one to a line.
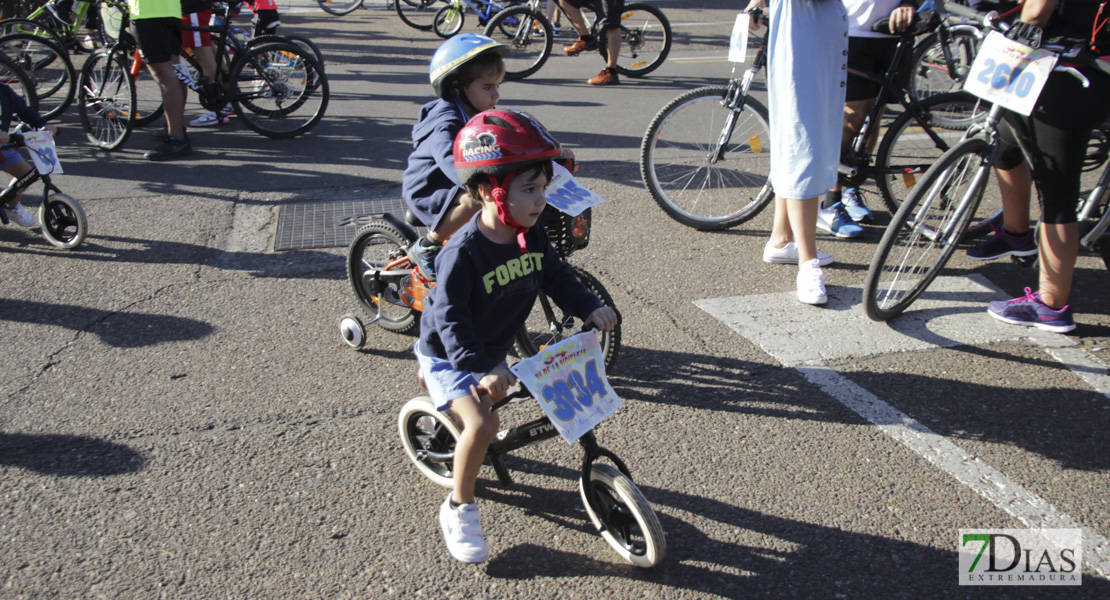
(63, 221)
(539, 331)
(374, 246)
(31, 27)
(695, 185)
(419, 14)
(48, 65)
(645, 40)
(932, 207)
(626, 520)
(449, 20)
(106, 99)
(339, 7)
(931, 74)
(428, 435)
(278, 90)
(516, 27)
(18, 79)
(911, 145)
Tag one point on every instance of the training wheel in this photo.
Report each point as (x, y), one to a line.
(352, 331)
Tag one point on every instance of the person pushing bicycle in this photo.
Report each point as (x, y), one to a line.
(489, 277)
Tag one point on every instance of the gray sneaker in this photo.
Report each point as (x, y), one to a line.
(853, 203)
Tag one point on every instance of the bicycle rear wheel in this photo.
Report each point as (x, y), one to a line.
(303, 41)
(374, 247)
(279, 90)
(528, 36)
(418, 14)
(339, 7)
(106, 99)
(148, 96)
(931, 74)
(705, 165)
(548, 324)
(48, 66)
(926, 229)
(911, 145)
(645, 40)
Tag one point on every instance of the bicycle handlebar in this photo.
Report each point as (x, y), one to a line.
(16, 140)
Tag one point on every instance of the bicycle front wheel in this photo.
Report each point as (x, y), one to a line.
(707, 166)
(911, 144)
(48, 65)
(645, 40)
(418, 14)
(339, 7)
(528, 36)
(926, 229)
(549, 325)
(448, 20)
(279, 90)
(106, 99)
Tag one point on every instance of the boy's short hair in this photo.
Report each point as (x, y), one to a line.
(545, 166)
(489, 63)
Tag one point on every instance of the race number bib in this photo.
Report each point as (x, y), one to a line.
(566, 195)
(568, 380)
(1009, 74)
(42, 151)
(738, 43)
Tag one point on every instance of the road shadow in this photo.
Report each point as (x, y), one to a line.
(68, 455)
(119, 329)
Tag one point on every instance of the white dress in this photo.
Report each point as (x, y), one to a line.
(807, 63)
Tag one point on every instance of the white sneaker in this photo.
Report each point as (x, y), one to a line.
(209, 119)
(788, 255)
(811, 283)
(462, 532)
(19, 215)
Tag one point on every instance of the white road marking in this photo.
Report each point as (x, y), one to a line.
(949, 314)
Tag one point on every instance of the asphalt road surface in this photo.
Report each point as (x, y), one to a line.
(179, 419)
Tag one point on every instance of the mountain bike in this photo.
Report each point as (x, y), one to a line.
(926, 230)
(61, 219)
(83, 33)
(391, 288)
(616, 507)
(705, 157)
(277, 89)
(645, 38)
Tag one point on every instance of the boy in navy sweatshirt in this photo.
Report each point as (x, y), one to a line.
(489, 277)
(466, 73)
(11, 162)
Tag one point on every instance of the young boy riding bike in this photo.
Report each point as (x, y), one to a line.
(465, 72)
(489, 277)
(11, 161)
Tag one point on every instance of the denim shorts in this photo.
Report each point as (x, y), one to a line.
(9, 158)
(445, 383)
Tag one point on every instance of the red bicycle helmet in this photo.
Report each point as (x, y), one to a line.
(497, 143)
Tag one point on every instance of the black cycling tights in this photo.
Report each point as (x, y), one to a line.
(1060, 128)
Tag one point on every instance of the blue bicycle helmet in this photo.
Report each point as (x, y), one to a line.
(456, 52)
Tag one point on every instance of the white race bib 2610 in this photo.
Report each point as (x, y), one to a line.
(1009, 74)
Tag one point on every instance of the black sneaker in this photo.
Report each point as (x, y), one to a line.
(164, 136)
(174, 147)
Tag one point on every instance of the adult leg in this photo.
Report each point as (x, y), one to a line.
(1059, 249)
(173, 95)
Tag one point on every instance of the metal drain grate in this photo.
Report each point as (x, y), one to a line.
(328, 224)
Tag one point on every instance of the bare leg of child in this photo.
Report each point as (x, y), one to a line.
(480, 426)
(17, 170)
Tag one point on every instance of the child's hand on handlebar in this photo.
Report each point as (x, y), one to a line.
(497, 381)
(604, 318)
(52, 128)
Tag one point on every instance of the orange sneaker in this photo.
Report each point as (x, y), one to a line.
(579, 46)
(605, 77)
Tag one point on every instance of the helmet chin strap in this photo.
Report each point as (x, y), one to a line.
(500, 194)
